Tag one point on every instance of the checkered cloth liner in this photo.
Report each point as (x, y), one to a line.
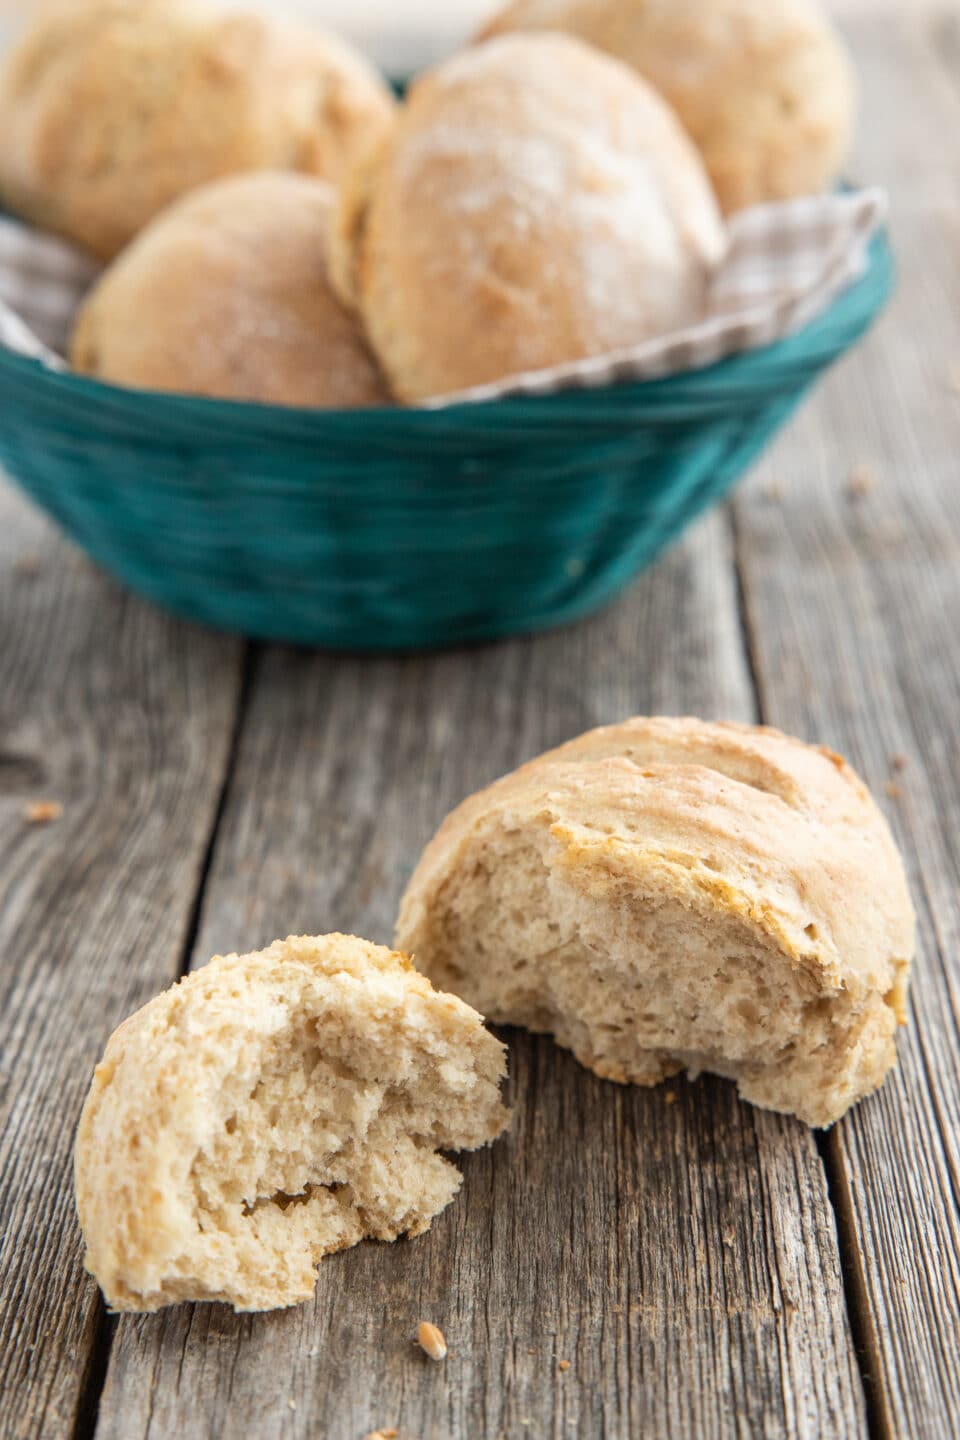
(785, 265)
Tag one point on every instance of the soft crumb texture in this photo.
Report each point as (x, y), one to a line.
(536, 203)
(668, 895)
(226, 294)
(271, 1109)
(110, 109)
(763, 87)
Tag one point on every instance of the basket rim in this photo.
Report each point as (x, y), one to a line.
(784, 364)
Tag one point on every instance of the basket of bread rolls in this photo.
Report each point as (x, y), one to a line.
(337, 360)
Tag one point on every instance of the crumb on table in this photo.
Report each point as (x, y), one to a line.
(43, 812)
(863, 480)
(431, 1340)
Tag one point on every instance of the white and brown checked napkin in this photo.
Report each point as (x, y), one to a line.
(786, 264)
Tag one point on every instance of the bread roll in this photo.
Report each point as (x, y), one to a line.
(536, 203)
(669, 895)
(227, 294)
(269, 1110)
(110, 109)
(763, 87)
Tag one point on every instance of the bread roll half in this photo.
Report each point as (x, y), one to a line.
(273, 1108)
(669, 895)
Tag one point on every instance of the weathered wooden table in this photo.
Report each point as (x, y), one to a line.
(706, 1269)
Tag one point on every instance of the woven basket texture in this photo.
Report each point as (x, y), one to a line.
(399, 529)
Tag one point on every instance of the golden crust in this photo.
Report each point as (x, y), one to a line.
(534, 204)
(227, 294)
(271, 1109)
(763, 87)
(111, 109)
(778, 842)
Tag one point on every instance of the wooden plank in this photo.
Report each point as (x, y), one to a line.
(854, 604)
(681, 1257)
(125, 719)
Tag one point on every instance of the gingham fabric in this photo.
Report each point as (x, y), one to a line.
(785, 265)
(42, 281)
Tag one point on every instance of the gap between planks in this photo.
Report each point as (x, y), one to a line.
(88, 1410)
(852, 604)
(865, 1339)
(866, 1344)
(123, 716)
(248, 663)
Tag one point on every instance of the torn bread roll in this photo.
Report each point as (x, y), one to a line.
(271, 1109)
(536, 203)
(668, 895)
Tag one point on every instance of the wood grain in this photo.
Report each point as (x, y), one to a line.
(681, 1257)
(124, 719)
(854, 605)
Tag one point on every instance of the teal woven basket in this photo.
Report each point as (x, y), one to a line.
(399, 529)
